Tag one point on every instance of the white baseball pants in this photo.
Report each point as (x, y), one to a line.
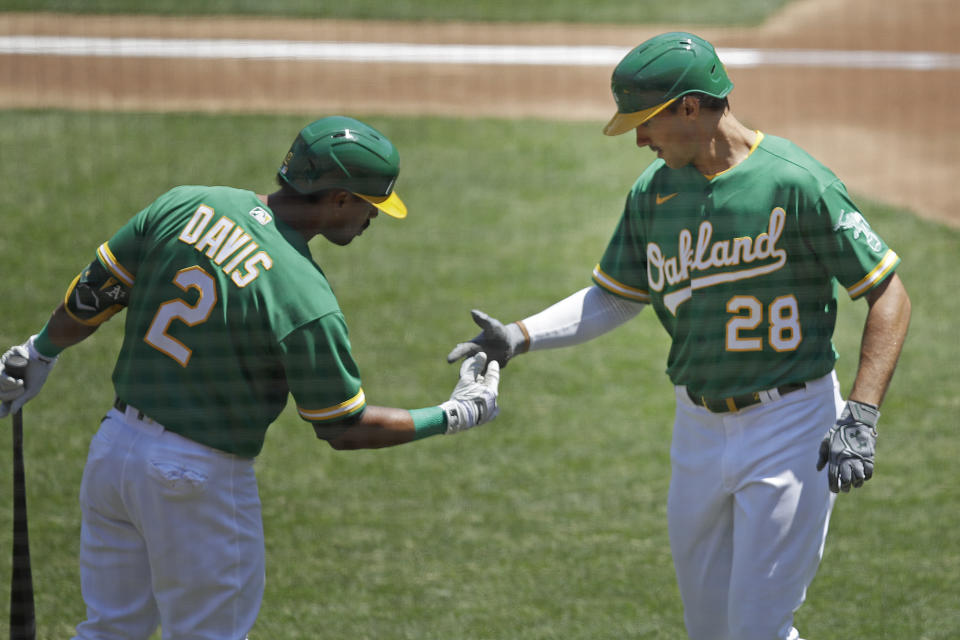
(171, 536)
(748, 512)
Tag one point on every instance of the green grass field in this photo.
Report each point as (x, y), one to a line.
(546, 524)
(613, 11)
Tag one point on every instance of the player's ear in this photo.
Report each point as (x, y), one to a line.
(689, 106)
(339, 198)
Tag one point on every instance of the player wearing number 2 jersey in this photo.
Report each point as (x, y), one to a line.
(247, 272)
(226, 315)
(737, 240)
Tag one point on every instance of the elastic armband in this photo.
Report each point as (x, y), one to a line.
(95, 296)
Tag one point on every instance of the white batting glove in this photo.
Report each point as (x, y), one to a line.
(501, 342)
(474, 399)
(16, 393)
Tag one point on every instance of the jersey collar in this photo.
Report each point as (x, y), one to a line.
(756, 143)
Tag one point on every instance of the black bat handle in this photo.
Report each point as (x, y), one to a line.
(23, 624)
(15, 366)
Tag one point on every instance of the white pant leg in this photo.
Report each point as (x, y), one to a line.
(782, 513)
(769, 540)
(700, 521)
(198, 512)
(114, 566)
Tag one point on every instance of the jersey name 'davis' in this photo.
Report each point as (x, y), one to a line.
(225, 239)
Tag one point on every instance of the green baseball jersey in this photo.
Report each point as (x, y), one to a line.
(741, 267)
(227, 314)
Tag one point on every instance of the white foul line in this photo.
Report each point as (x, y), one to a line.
(603, 56)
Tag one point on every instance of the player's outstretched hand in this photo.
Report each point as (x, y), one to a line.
(16, 393)
(474, 399)
(500, 342)
(849, 447)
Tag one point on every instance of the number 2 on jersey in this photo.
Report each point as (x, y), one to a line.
(176, 309)
(784, 333)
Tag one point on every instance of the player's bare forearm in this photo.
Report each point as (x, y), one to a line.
(377, 428)
(884, 333)
(64, 331)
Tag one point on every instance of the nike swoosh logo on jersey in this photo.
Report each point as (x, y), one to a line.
(661, 200)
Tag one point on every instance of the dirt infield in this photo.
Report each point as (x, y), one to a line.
(890, 134)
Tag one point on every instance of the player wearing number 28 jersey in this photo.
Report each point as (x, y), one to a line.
(734, 266)
(737, 240)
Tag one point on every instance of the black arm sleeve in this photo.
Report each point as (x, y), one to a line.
(95, 295)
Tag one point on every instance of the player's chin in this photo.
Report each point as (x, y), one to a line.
(345, 237)
(674, 163)
(339, 240)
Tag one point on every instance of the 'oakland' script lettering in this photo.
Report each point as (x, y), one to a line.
(722, 254)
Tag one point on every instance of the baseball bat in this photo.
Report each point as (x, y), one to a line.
(23, 624)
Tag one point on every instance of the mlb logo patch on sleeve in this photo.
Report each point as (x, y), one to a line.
(261, 215)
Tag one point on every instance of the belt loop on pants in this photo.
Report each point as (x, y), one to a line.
(736, 403)
(121, 406)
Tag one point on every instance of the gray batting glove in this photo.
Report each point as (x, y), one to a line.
(500, 342)
(849, 447)
(16, 393)
(474, 399)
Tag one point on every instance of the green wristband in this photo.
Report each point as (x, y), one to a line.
(44, 346)
(428, 422)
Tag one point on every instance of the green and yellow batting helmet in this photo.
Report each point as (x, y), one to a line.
(660, 70)
(338, 152)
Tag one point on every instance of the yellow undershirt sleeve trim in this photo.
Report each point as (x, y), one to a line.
(335, 412)
(618, 288)
(877, 274)
(113, 265)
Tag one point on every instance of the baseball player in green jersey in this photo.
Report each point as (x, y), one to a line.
(737, 239)
(226, 315)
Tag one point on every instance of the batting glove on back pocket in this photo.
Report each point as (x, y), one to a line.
(849, 447)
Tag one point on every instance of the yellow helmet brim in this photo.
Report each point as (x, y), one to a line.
(623, 122)
(391, 205)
